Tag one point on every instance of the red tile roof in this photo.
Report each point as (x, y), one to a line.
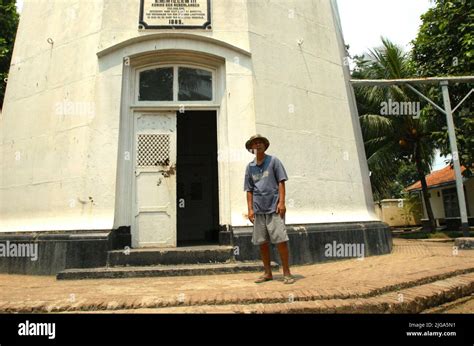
(442, 176)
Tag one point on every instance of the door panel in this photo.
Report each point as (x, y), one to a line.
(155, 180)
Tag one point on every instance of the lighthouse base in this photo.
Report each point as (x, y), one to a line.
(314, 243)
(47, 253)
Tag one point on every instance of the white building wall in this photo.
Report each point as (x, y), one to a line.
(302, 105)
(229, 23)
(60, 123)
(59, 134)
(437, 201)
(48, 121)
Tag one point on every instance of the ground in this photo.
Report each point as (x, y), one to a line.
(418, 276)
(464, 305)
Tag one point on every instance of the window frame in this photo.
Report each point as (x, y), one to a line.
(175, 100)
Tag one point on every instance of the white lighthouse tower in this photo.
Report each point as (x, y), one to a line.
(124, 124)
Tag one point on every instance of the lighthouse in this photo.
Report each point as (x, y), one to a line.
(124, 127)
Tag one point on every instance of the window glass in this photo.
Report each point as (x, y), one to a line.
(194, 84)
(156, 85)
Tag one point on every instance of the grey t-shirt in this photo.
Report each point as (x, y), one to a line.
(263, 182)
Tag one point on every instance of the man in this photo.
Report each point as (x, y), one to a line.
(265, 185)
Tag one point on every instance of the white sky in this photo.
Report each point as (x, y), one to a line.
(19, 5)
(365, 21)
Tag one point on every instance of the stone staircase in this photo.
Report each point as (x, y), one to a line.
(152, 262)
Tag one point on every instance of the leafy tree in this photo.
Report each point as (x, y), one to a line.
(445, 47)
(406, 176)
(8, 26)
(391, 139)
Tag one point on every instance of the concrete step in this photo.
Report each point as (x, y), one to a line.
(169, 256)
(162, 270)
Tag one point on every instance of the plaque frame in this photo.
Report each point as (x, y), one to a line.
(142, 25)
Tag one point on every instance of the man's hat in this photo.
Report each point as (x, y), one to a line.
(248, 144)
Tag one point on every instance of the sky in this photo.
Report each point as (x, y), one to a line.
(19, 5)
(365, 21)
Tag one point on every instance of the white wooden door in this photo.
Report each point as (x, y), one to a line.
(155, 180)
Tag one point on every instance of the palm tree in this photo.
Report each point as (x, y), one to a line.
(392, 138)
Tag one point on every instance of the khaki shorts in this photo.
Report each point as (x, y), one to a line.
(269, 227)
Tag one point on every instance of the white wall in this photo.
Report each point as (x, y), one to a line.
(437, 201)
(303, 106)
(60, 126)
(48, 123)
(65, 174)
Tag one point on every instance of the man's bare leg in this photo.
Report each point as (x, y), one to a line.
(284, 255)
(265, 253)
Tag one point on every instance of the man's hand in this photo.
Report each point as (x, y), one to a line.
(251, 216)
(281, 209)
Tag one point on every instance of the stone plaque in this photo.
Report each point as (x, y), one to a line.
(165, 14)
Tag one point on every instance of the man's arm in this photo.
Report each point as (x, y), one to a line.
(250, 214)
(249, 186)
(281, 208)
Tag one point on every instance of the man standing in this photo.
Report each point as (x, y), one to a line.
(265, 185)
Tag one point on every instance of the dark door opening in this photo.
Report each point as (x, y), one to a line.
(197, 181)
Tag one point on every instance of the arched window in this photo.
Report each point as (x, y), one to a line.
(175, 83)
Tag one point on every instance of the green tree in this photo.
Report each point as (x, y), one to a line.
(8, 26)
(445, 47)
(391, 139)
(407, 175)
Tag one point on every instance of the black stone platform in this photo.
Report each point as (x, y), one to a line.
(170, 256)
(309, 243)
(59, 251)
(56, 251)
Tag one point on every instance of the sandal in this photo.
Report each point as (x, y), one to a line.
(262, 279)
(288, 280)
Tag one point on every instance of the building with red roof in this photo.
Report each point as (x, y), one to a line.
(444, 198)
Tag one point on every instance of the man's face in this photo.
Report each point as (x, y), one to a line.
(258, 146)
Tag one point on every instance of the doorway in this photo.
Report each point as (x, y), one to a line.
(197, 178)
